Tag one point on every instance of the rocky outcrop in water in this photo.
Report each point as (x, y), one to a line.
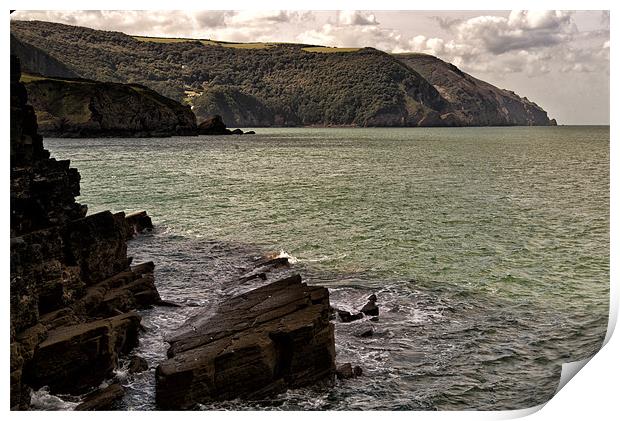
(256, 344)
(215, 126)
(138, 222)
(86, 108)
(73, 292)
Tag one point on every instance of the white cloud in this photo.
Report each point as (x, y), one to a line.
(521, 30)
(532, 42)
(356, 17)
(344, 35)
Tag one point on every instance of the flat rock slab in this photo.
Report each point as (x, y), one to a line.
(255, 344)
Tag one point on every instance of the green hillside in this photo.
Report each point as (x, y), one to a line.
(257, 83)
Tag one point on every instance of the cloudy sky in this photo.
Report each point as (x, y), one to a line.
(558, 59)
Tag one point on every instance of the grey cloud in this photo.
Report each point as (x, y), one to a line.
(213, 18)
(521, 30)
(357, 18)
(446, 23)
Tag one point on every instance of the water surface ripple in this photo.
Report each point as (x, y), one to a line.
(488, 248)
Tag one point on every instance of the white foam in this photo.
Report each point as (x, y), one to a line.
(291, 259)
(325, 258)
(43, 400)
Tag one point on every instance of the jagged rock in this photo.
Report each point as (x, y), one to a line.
(346, 371)
(365, 332)
(213, 126)
(250, 132)
(165, 303)
(274, 337)
(101, 399)
(74, 358)
(97, 243)
(251, 276)
(72, 288)
(137, 364)
(237, 131)
(371, 308)
(347, 317)
(124, 291)
(272, 261)
(137, 222)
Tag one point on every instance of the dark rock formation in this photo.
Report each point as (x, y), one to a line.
(364, 332)
(347, 371)
(259, 343)
(137, 364)
(213, 126)
(78, 357)
(86, 108)
(101, 399)
(72, 287)
(371, 308)
(137, 223)
(347, 317)
(235, 107)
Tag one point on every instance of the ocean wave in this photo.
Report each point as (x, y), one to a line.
(291, 259)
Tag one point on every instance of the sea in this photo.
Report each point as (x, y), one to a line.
(487, 249)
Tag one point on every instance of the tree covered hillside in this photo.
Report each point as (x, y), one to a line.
(253, 84)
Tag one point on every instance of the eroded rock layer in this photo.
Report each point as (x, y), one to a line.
(73, 290)
(259, 343)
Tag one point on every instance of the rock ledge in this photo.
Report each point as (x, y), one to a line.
(256, 344)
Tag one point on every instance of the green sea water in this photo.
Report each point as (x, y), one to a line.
(488, 248)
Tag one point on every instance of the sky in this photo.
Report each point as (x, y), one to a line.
(558, 59)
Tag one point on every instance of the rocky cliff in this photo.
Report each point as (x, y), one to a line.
(235, 107)
(74, 296)
(286, 84)
(86, 108)
(474, 102)
(256, 344)
(73, 292)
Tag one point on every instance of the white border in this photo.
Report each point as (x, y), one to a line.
(592, 394)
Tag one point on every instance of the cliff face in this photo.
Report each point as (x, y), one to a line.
(84, 108)
(474, 102)
(235, 108)
(286, 84)
(73, 291)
